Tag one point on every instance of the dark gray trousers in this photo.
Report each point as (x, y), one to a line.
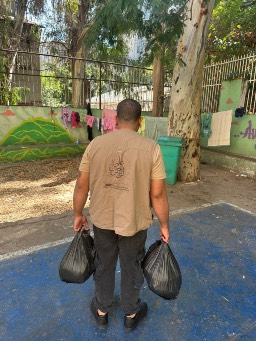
(131, 251)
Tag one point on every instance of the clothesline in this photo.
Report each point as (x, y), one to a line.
(152, 127)
(103, 124)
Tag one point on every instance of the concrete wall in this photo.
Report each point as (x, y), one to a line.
(32, 133)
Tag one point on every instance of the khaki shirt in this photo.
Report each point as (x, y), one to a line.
(121, 165)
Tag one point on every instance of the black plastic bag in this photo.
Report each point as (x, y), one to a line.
(77, 264)
(162, 271)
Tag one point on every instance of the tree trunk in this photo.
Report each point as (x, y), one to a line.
(78, 76)
(158, 87)
(16, 37)
(79, 52)
(184, 114)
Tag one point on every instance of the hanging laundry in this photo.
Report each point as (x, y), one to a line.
(66, 116)
(239, 112)
(89, 120)
(89, 128)
(77, 117)
(73, 120)
(109, 124)
(206, 125)
(110, 116)
(221, 125)
(65, 119)
(155, 127)
(67, 112)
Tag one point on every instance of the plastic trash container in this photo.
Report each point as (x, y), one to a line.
(171, 149)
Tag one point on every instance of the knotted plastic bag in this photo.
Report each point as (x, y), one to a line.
(77, 264)
(162, 271)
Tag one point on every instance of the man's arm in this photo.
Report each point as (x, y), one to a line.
(159, 202)
(79, 199)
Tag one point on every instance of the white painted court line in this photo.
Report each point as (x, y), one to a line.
(34, 249)
(239, 208)
(68, 240)
(186, 210)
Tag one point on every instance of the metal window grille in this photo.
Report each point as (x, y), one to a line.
(242, 67)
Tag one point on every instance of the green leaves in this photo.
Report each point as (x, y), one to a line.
(160, 22)
(233, 30)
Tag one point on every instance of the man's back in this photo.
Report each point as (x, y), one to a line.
(121, 167)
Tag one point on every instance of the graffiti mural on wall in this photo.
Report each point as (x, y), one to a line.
(36, 130)
(249, 132)
(7, 113)
(244, 132)
(34, 137)
(34, 153)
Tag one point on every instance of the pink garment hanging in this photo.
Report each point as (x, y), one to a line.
(109, 116)
(67, 112)
(66, 116)
(109, 124)
(73, 120)
(89, 120)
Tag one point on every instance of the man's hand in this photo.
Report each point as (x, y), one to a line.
(159, 202)
(165, 234)
(80, 223)
(79, 199)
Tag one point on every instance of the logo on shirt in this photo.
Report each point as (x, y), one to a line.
(117, 169)
(116, 166)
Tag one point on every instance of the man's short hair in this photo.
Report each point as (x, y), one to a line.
(129, 110)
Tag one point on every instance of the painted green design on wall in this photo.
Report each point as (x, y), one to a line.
(35, 131)
(28, 154)
(231, 94)
(242, 137)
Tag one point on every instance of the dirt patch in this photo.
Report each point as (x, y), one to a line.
(36, 199)
(38, 188)
(45, 188)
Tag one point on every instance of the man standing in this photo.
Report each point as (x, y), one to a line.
(125, 175)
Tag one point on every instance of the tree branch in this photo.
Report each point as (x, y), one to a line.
(83, 34)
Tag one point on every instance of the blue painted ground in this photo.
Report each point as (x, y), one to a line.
(216, 250)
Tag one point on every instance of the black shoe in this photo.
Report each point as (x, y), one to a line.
(130, 323)
(102, 321)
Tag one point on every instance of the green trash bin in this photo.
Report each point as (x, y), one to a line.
(171, 149)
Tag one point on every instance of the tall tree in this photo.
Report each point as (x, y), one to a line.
(160, 22)
(79, 18)
(184, 114)
(161, 29)
(68, 22)
(13, 16)
(232, 31)
(106, 23)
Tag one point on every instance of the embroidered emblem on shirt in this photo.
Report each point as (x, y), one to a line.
(117, 169)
